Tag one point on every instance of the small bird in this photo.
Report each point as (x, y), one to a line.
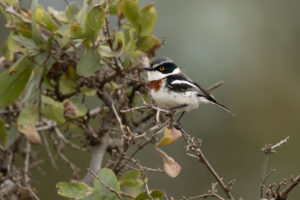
(173, 90)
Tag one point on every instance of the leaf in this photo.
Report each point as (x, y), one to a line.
(171, 167)
(94, 22)
(43, 18)
(52, 109)
(26, 123)
(58, 15)
(131, 178)
(11, 2)
(73, 189)
(31, 95)
(113, 7)
(71, 12)
(75, 31)
(25, 42)
(12, 135)
(10, 47)
(119, 43)
(3, 133)
(130, 10)
(67, 85)
(74, 108)
(13, 85)
(169, 137)
(89, 62)
(148, 44)
(147, 19)
(35, 32)
(157, 194)
(109, 178)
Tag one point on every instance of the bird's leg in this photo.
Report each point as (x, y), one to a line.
(179, 118)
(178, 107)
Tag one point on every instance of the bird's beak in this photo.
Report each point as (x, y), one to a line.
(148, 68)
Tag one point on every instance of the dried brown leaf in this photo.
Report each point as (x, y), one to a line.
(171, 167)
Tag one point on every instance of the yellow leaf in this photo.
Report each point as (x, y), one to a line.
(169, 137)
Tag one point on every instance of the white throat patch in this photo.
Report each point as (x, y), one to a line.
(156, 75)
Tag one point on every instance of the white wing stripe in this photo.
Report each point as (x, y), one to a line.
(183, 82)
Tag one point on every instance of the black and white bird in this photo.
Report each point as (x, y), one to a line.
(173, 90)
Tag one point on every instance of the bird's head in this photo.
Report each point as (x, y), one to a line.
(160, 68)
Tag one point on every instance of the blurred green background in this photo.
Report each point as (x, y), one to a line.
(253, 46)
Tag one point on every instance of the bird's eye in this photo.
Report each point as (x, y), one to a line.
(162, 68)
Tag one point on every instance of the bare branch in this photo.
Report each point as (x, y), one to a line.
(197, 153)
(96, 159)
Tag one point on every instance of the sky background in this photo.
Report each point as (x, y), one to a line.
(253, 46)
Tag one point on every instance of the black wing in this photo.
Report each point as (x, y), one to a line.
(180, 83)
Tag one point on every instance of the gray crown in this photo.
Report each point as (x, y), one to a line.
(159, 61)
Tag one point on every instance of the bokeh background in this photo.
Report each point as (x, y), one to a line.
(253, 46)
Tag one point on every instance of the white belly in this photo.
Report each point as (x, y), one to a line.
(168, 99)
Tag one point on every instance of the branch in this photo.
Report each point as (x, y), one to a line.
(283, 195)
(194, 146)
(268, 150)
(96, 159)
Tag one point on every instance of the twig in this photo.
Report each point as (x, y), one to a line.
(109, 188)
(26, 164)
(268, 150)
(49, 151)
(62, 137)
(283, 195)
(119, 119)
(195, 148)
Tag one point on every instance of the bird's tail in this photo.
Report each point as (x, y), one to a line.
(213, 101)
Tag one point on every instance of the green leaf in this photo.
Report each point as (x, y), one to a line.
(12, 135)
(11, 2)
(35, 32)
(71, 12)
(148, 44)
(89, 62)
(76, 31)
(10, 47)
(94, 22)
(3, 133)
(31, 95)
(131, 178)
(130, 10)
(43, 18)
(25, 42)
(67, 85)
(53, 110)
(73, 189)
(13, 85)
(110, 179)
(26, 123)
(82, 110)
(148, 19)
(113, 5)
(119, 42)
(58, 15)
(157, 194)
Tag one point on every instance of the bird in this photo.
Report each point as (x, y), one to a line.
(173, 90)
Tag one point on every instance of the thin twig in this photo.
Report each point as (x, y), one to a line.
(195, 148)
